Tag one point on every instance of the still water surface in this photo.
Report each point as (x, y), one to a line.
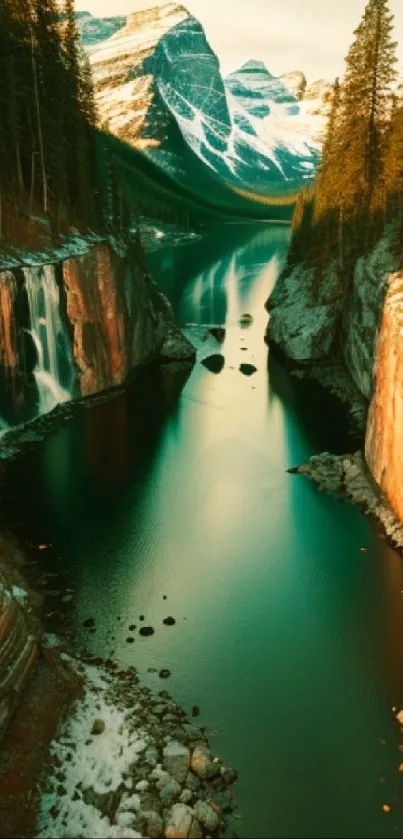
(288, 636)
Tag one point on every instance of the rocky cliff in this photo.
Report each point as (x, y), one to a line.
(384, 444)
(79, 325)
(315, 319)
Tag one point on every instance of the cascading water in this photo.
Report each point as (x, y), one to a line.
(54, 371)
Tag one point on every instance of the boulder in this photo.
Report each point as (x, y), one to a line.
(206, 816)
(179, 822)
(170, 792)
(176, 760)
(203, 763)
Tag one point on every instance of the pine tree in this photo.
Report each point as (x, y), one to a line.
(365, 104)
(393, 163)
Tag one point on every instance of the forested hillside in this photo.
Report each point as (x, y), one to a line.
(46, 114)
(359, 188)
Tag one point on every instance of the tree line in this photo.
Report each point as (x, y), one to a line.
(47, 114)
(359, 186)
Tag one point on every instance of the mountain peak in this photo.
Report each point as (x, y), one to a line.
(152, 14)
(254, 66)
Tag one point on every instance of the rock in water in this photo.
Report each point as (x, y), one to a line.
(206, 816)
(248, 369)
(202, 763)
(89, 623)
(246, 319)
(218, 332)
(176, 758)
(214, 363)
(169, 621)
(146, 630)
(164, 674)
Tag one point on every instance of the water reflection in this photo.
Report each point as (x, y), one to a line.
(291, 643)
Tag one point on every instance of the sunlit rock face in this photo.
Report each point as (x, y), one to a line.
(124, 87)
(115, 327)
(384, 439)
(158, 86)
(79, 326)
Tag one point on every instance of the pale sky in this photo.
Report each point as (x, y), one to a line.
(308, 35)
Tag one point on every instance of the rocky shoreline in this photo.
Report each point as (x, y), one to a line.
(347, 476)
(90, 751)
(128, 763)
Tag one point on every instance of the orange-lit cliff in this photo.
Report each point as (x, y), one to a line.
(384, 437)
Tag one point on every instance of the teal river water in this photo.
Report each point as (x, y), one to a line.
(288, 637)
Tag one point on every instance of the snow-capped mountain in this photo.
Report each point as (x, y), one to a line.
(159, 88)
(256, 90)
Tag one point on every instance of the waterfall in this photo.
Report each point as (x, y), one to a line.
(54, 371)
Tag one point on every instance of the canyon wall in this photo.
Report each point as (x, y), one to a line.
(384, 437)
(79, 325)
(314, 319)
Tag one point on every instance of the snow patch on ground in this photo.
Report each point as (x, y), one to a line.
(93, 765)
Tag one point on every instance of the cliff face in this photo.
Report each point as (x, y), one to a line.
(312, 316)
(384, 438)
(314, 319)
(79, 326)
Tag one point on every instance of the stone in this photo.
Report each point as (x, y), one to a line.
(246, 319)
(206, 816)
(203, 764)
(141, 786)
(218, 332)
(130, 640)
(214, 363)
(132, 627)
(170, 792)
(228, 775)
(98, 727)
(247, 369)
(179, 822)
(192, 782)
(155, 825)
(191, 731)
(164, 674)
(146, 630)
(89, 623)
(186, 796)
(169, 621)
(151, 756)
(175, 760)
(176, 347)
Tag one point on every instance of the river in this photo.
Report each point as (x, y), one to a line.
(288, 635)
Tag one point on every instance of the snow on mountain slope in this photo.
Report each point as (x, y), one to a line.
(255, 88)
(159, 88)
